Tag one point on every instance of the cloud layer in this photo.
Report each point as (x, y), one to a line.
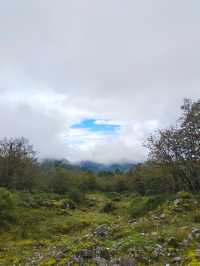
(125, 62)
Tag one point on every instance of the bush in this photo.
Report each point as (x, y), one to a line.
(76, 196)
(26, 200)
(7, 207)
(108, 207)
(114, 196)
(184, 195)
(142, 205)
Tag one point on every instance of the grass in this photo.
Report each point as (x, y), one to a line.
(52, 235)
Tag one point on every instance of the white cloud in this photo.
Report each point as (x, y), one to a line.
(123, 63)
(110, 122)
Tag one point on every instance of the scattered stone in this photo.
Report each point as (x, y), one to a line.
(195, 234)
(103, 252)
(177, 202)
(92, 253)
(127, 261)
(132, 221)
(156, 218)
(100, 261)
(163, 216)
(176, 260)
(185, 243)
(85, 253)
(158, 251)
(102, 230)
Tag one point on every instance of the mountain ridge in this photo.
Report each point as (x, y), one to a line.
(89, 165)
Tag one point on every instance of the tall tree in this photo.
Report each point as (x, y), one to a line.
(178, 148)
(17, 163)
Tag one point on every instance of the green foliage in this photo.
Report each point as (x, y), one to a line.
(7, 207)
(184, 195)
(58, 181)
(178, 148)
(48, 236)
(108, 207)
(141, 205)
(150, 179)
(120, 183)
(88, 181)
(76, 195)
(18, 166)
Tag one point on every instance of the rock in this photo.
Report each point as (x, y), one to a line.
(163, 216)
(102, 252)
(158, 251)
(67, 205)
(176, 260)
(177, 202)
(132, 221)
(127, 261)
(156, 218)
(102, 230)
(100, 261)
(196, 233)
(92, 253)
(85, 253)
(141, 258)
(171, 252)
(185, 243)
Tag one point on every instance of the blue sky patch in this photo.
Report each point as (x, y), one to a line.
(93, 126)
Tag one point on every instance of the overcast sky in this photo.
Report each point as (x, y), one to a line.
(91, 79)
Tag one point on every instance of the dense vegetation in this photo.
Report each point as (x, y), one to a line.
(58, 214)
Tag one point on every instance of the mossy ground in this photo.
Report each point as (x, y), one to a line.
(52, 235)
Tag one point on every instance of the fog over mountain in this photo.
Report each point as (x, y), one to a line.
(89, 80)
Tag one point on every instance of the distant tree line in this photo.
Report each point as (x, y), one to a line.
(173, 164)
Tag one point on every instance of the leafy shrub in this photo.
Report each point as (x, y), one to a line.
(184, 195)
(117, 199)
(114, 196)
(7, 207)
(142, 205)
(108, 207)
(76, 196)
(26, 200)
